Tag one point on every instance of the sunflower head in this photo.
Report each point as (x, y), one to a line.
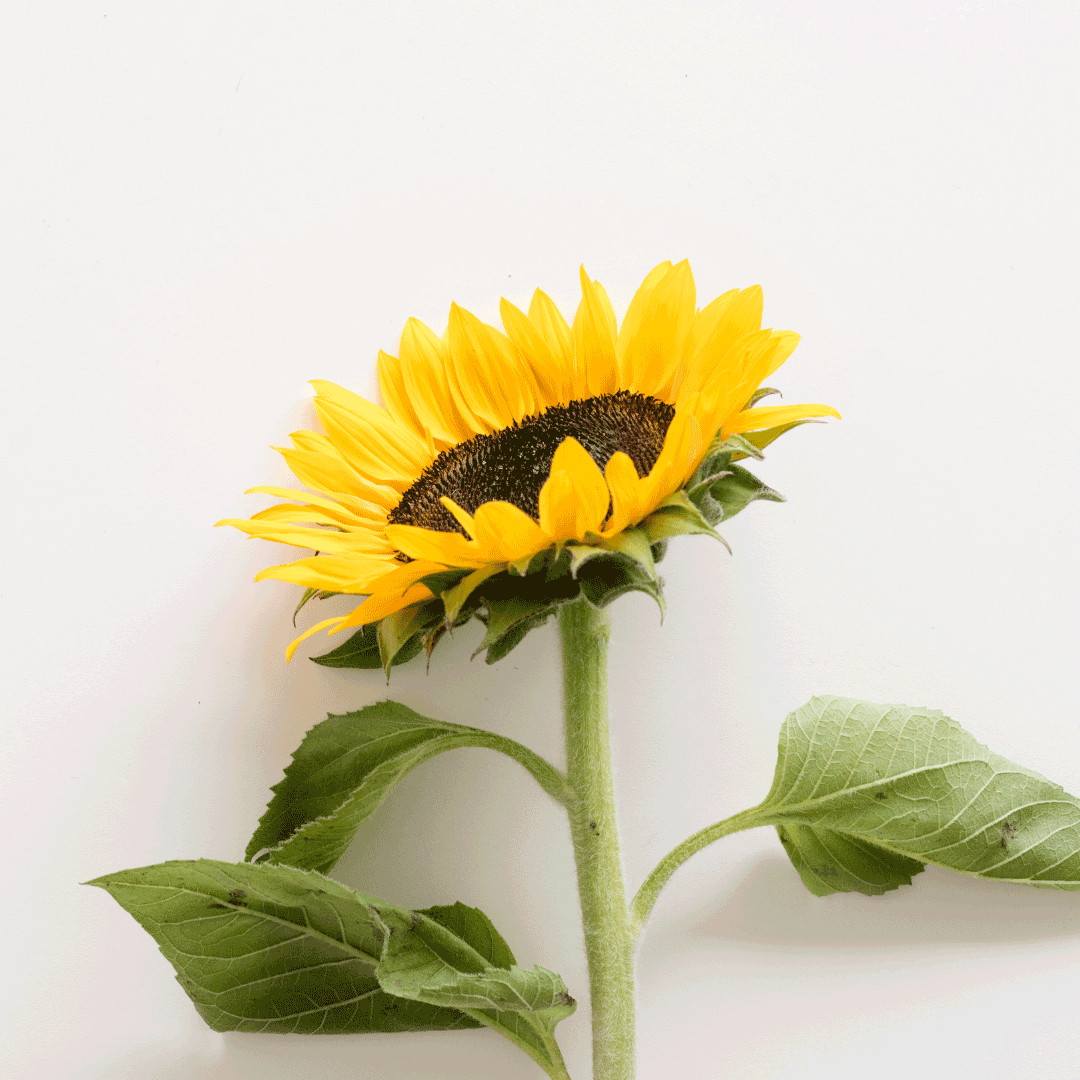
(509, 472)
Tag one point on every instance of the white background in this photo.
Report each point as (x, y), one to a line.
(208, 204)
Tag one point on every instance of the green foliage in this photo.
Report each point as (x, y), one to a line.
(865, 795)
(276, 949)
(345, 768)
(873, 790)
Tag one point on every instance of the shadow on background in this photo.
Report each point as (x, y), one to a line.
(329, 1057)
(770, 906)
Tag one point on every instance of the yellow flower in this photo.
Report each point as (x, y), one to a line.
(496, 448)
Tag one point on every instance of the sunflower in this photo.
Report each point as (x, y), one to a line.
(510, 471)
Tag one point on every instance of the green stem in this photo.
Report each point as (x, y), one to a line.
(609, 939)
(650, 890)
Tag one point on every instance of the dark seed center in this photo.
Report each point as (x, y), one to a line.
(512, 465)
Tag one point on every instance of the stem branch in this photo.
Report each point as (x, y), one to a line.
(650, 890)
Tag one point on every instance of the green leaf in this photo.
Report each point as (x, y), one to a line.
(865, 795)
(915, 784)
(430, 963)
(831, 862)
(274, 949)
(348, 764)
(277, 949)
(362, 651)
(533, 1032)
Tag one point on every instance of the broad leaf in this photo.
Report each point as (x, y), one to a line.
(914, 784)
(348, 764)
(532, 1031)
(830, 862)
(276, 949)
(273, 949)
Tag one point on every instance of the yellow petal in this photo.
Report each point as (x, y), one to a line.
(556, 332)
(492, 380)
(330, 572)
(632, 497)
(463, 518)
(307, 633)
(633, 321)
(427, 382)
(316, 463)
(450, 548)
(554, 379)
(362, 537)
(396, 397)
(363, 512)
(574, 500)
(505, 533)
(786, 340)
(654, 333)
(368, 437)
(594, 339)
(716, 329)
(759, 419)
(379, 605)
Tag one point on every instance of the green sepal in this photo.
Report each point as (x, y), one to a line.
(311, 594)
(403, 630)
(455, 598)
(760, 439)
(275, 949)
(740, 446)
(722, 498)
(603, 580)
(508, 620)
(347, 765)
(635, 544)
(512, 606)
(362, 651)
(678, 516)
(442, 580)
(758, 394)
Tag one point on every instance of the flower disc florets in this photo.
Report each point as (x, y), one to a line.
(513, 464)
(510, 472)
